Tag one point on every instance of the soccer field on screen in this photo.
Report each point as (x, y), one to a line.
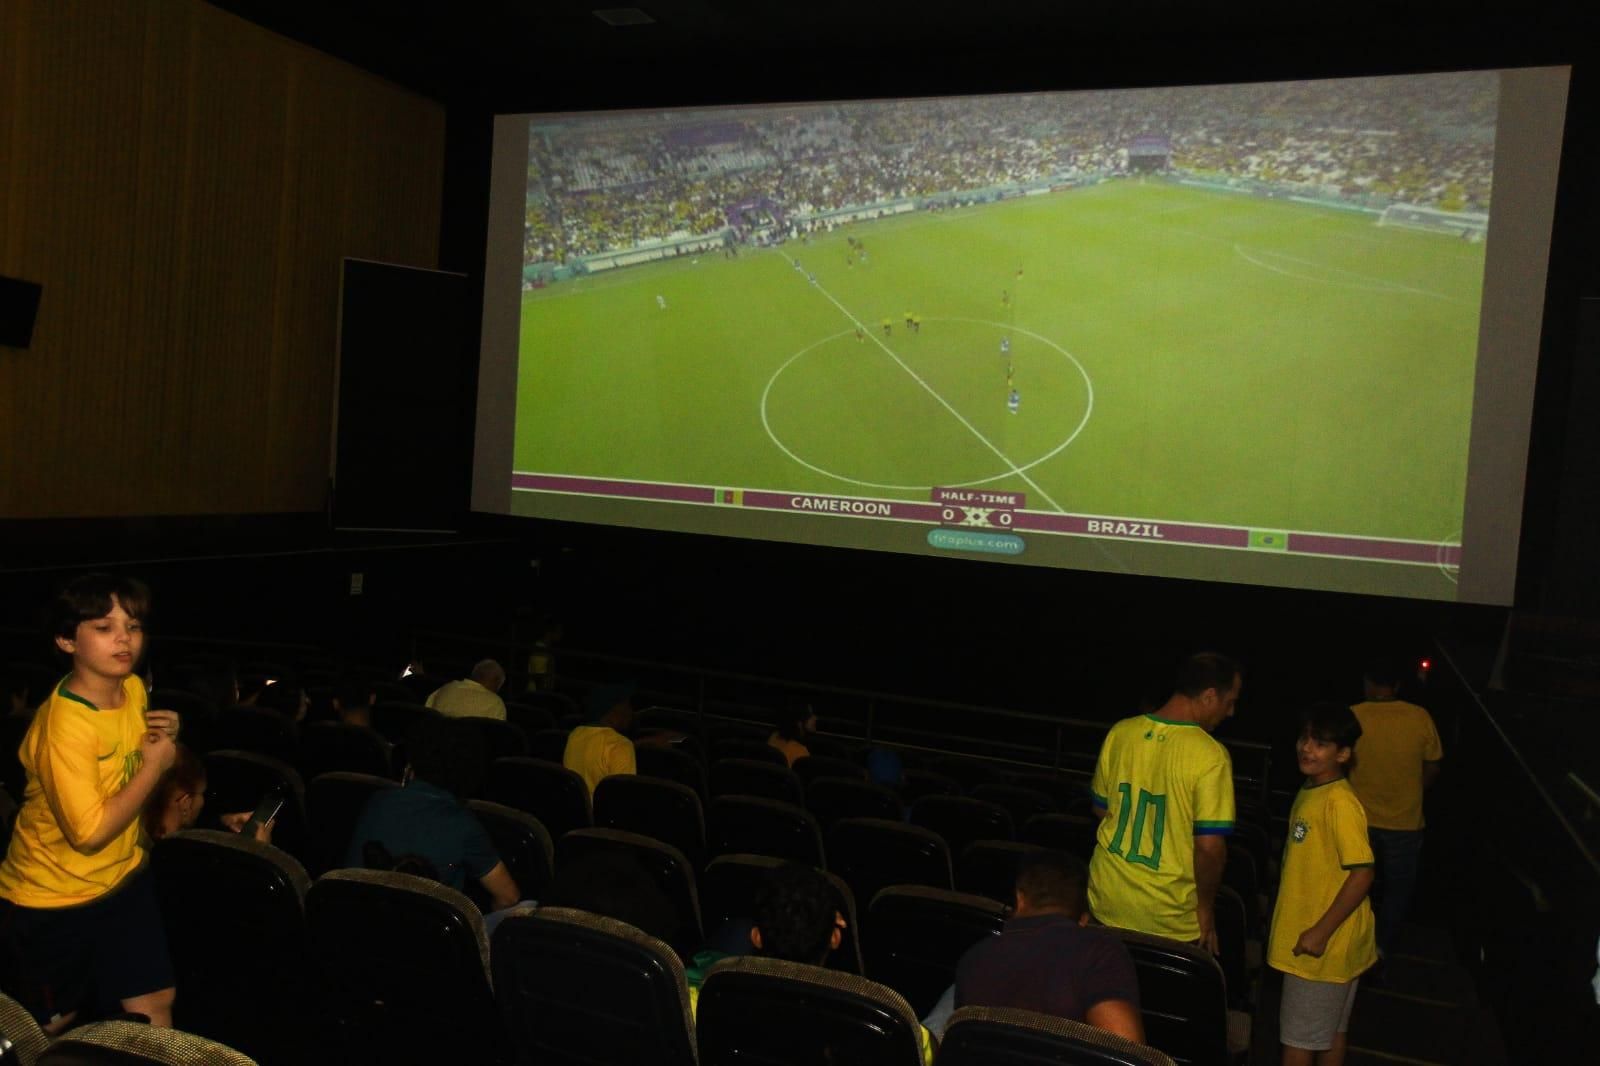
(1178, 354)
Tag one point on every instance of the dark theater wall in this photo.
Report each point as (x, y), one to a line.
(184, 184)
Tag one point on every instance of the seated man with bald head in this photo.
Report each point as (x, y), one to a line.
(476, 696)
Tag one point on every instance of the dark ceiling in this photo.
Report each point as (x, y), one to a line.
(507, 55)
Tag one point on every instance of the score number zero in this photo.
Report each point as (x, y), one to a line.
(977, 517)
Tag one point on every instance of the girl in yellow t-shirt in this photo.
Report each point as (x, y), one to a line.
(79, 909)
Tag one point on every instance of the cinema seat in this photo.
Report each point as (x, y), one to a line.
(915, 936)
(993, 1036)
(832, 798)
(665, 865)
(871, 854)
(1020, 801)
(653, 807)
(672, 764)
(918, 783)
(234, 911)
(750, 825)
(522, 843)
(528, 717)
(501, 740)
(751, 777)
(549, 791)
(754, 748)
(19, 1029)
(811, 767)
(728, 891)
(549, 967)
(1184, 999)
(549, 744)
(399, 971)
(1234, 948)
(237, 781)
(394, 719)
(989, 868)
(121, 1043)
(326, 747)
(1071, 833)
(961, 820)
(257, 729)
(334, 803)
(767, 1011)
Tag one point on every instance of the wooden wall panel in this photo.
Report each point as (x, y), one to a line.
(184, 184)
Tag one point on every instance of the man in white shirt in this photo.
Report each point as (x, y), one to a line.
(474, 697)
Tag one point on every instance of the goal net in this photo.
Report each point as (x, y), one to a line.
(1469, 225)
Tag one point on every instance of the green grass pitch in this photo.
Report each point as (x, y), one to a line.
(1251, 362)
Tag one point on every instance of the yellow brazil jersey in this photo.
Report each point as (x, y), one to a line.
(1161, 784)
(1396, 739)
(596, 752)
(76, 756)
(1327, 839)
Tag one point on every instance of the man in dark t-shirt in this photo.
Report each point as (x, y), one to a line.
(1049, 959)
(428, 818)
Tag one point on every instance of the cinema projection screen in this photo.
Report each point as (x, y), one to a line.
(1282, 334)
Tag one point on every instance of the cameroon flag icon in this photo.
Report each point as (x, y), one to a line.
(1272, 540)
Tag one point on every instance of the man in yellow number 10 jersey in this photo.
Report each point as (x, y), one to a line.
(1163, 790)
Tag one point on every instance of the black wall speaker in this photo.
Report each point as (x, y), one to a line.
(19, 306)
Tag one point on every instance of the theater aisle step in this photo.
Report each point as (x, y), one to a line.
(1423, 1010)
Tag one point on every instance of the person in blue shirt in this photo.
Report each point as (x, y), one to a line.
(426, 827)
(1014, 401)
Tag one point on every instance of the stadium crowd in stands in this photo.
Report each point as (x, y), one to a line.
(609, 185)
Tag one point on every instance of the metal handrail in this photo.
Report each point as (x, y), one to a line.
(1516, 755)
(872, 699)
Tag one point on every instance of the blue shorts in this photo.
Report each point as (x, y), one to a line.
(93, 955)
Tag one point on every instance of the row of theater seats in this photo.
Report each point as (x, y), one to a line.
(951, 841)
(368, 966)
(112, 1042)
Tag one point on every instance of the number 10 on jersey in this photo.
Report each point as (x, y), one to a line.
(1149, 803)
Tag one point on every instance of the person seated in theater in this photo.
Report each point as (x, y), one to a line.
(429, 818)
(475, 696)
(1048, 958)
(180, 796)
(601, 748)
(797, 723)
(796, 919)
(616, 886)
(352, 702)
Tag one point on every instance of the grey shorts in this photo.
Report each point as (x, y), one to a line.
(1313, 1012)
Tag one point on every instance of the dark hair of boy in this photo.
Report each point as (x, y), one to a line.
(448, 753)
(792, 720)
(1054, 881)
(83, 599)
(796, 914)
(1331, 723)
(1205, 670)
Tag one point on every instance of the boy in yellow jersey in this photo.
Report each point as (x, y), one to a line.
(1163, 789)
(80, 909)
(1322, 935)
